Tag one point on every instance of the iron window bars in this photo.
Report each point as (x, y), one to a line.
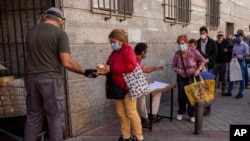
(177, 11)
(213, 14)
(113, 7)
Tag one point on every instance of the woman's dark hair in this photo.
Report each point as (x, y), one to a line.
(140, 47)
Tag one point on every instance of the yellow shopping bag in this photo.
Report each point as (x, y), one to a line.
(202, 90)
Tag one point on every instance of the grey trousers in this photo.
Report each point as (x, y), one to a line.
(45, 98)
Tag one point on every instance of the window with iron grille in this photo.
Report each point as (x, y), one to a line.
(177, 11)
(213, 12)
(112, 7)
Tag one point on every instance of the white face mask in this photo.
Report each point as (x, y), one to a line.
(203, 36)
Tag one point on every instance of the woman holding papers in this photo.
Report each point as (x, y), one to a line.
(141, 51)
(185, 62)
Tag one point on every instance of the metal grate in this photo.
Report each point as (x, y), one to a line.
(213, 13)
(16, 16)
(113, 7)
(177, 11)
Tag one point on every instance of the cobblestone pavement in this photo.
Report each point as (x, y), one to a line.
(225, 111)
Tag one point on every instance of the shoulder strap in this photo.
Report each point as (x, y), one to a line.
(183, 63)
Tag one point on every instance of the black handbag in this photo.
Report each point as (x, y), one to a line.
(114, 91)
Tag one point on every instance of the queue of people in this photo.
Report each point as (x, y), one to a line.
(46, 59)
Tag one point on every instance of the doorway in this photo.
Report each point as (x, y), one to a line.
(229, 28)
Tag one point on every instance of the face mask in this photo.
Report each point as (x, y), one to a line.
(237, 40)
(115, 46)
(203, 37)
(220, 39)
(182, 47)
(144, 56)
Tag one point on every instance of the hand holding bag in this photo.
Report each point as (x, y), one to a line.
(200, 91)
(137, 83)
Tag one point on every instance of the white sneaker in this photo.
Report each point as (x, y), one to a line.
(192, 119)
(179, 117)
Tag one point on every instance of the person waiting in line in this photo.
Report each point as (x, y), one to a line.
(193, 43)
(190, 58)
(240, 50)
(48, 51)
(141, 53)
(123, 60)
(220, 67)
(230, 41)
(209, 47)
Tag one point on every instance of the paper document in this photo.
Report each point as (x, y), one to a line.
(2, 67)
(157, 85)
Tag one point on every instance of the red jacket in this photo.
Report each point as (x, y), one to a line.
(121, 61)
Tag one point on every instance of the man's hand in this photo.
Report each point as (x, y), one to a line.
(90, 73)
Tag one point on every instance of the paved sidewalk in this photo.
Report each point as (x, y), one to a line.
(224, 111)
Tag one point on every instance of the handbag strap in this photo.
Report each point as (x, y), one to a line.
(110, 80)
(183, 63)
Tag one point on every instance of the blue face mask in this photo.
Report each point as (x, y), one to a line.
(115, 46)
(182, 47)
(237, 40)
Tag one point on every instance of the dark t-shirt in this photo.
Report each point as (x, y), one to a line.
(44, 43)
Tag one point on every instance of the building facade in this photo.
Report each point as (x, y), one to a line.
(88, 24)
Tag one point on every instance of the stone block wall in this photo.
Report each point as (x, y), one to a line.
(88, 33)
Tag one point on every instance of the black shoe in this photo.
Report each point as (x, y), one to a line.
(226, 94)
(135, 139)
(144, 121)
(238, 96)
(207, 110)
(247, 87)
(121, 139)
(153, 117)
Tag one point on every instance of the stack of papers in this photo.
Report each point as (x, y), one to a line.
(2, 67)
(157, 85)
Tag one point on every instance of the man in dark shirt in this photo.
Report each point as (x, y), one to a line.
(208, 46)
(221, 60)
(48, 51)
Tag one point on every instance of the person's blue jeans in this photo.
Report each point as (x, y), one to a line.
(242, 82)
(246, 73)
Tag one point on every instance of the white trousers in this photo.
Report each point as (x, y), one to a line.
(142, 106)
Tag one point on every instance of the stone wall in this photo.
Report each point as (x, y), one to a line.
(88, 33)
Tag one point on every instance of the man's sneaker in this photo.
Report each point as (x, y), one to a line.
(179, 117)
(239, 96)
(192, 119)
(226, 94)
(247, 87)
